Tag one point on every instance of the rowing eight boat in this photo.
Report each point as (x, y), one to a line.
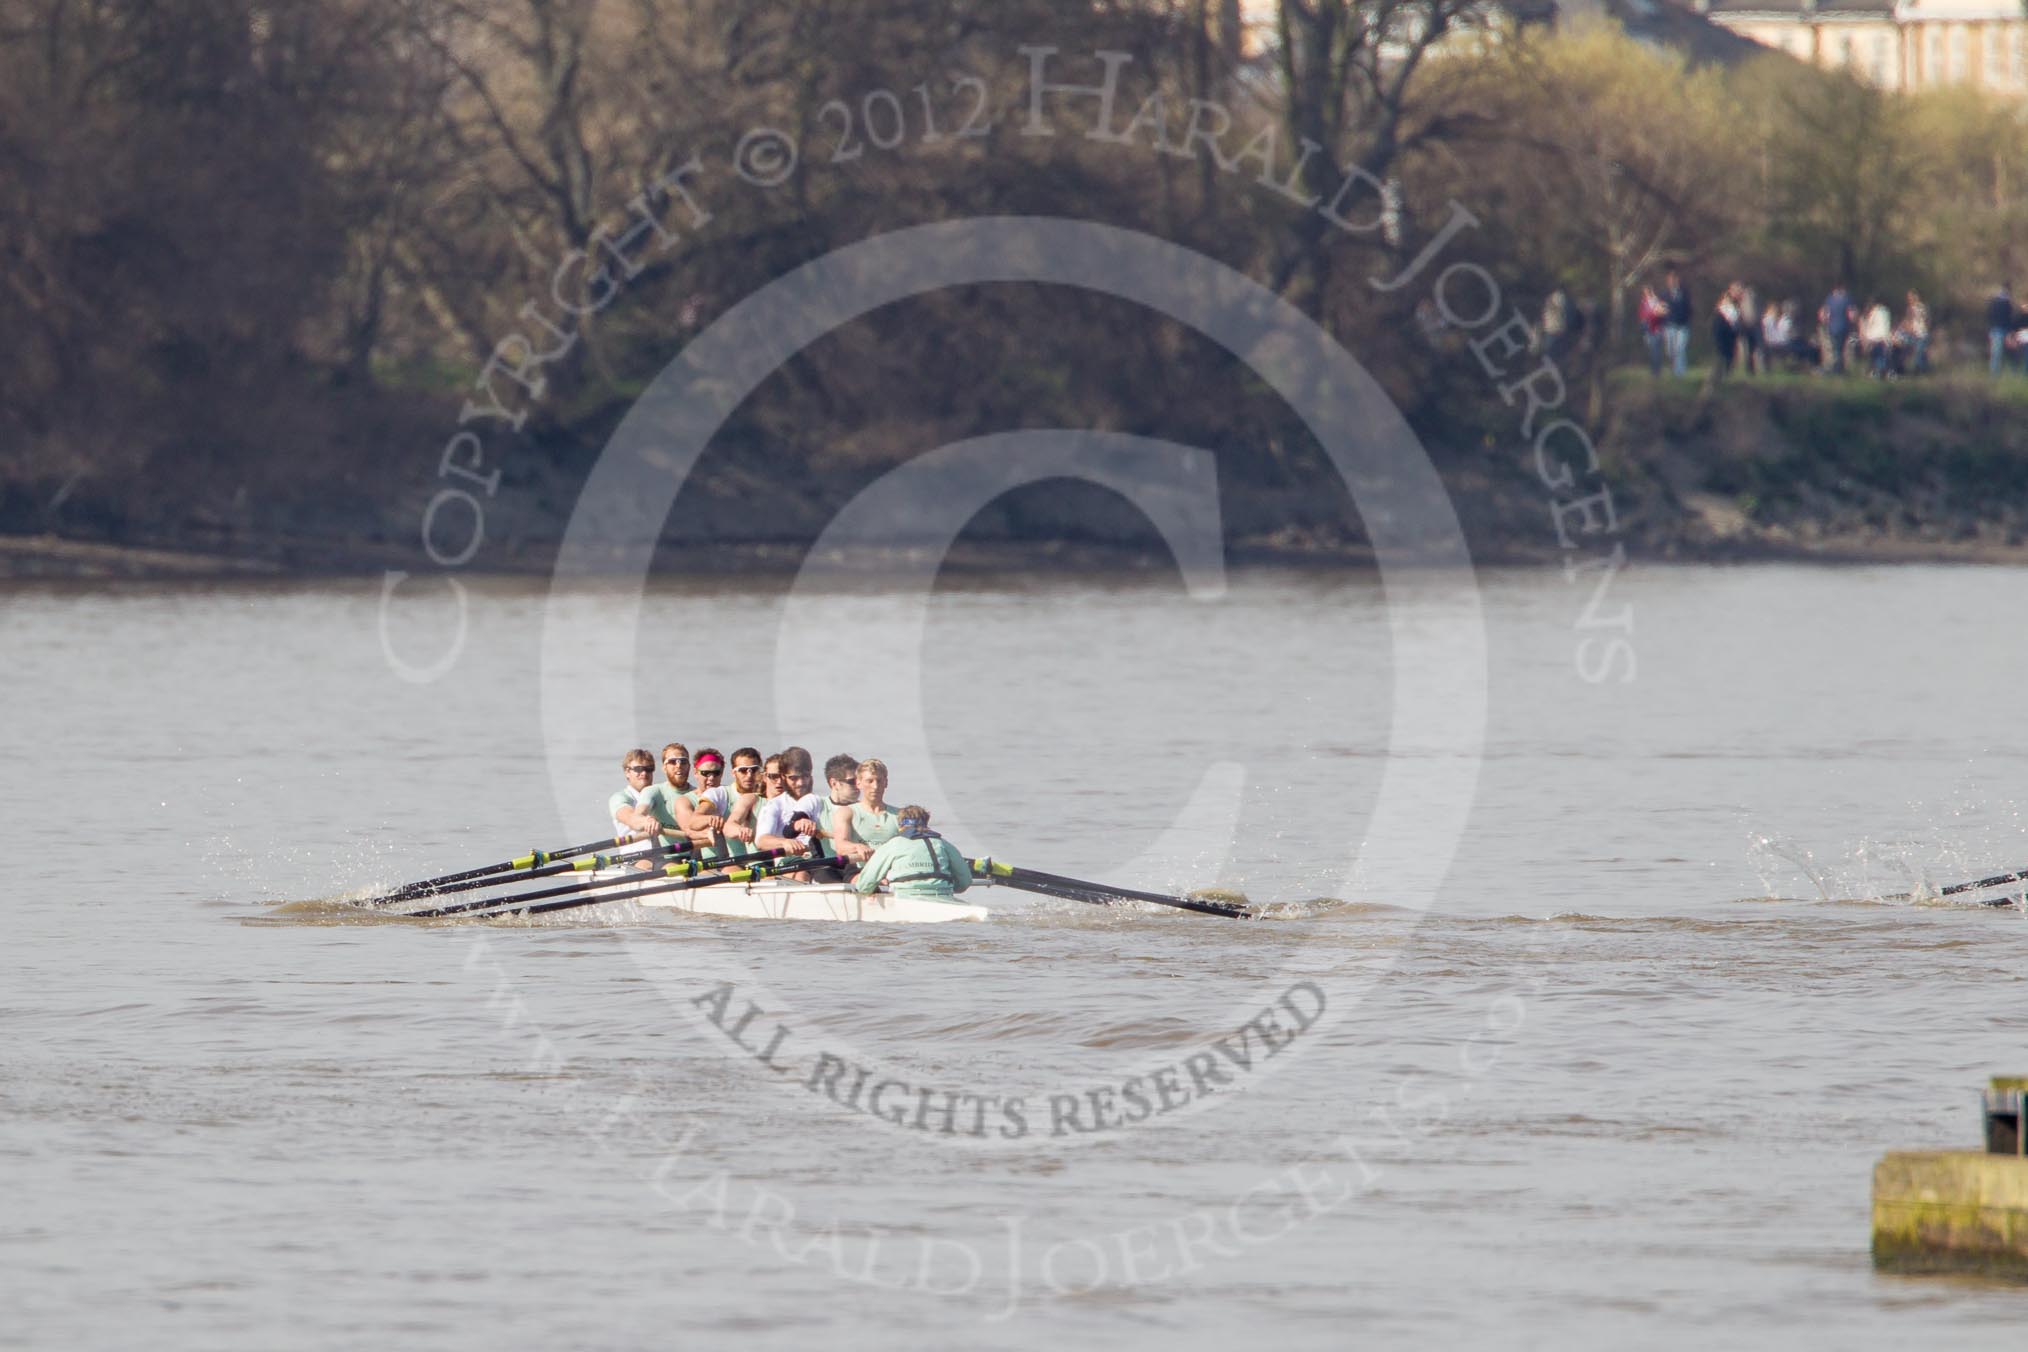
(769, 899)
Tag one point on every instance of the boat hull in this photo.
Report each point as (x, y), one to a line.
(772, 900)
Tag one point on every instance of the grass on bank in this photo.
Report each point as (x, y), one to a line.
(1958, 384)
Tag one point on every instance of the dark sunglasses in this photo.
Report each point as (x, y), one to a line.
(640, 769)
(746, 769)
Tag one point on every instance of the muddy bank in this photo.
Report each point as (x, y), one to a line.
(1842, 471)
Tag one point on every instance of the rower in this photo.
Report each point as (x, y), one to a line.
(670, 803)
(710, 768)
(861, 828)
(794, 818)
(732, 804)
(624, 807)
(915, 861)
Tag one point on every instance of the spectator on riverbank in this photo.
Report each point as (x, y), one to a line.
(1651, 313)
(1911, 337)
(1784, 341)
(1554, 334)
(1776, 329)
(1835, 320)
(1876, 332)
(1676, 320)
(1724, 332)
(1803, 353)
(1751, 353)
(1999, 324)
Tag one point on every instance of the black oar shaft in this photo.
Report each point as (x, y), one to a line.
(582, 885)
(1098, 894)
(684, 869)
(581, 864)
(533, 859)
(2019, 875)
(729, 873)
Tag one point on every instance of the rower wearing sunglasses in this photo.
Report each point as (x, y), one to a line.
(673, 802)
(625, 805)
(710, 768)
(858, 829)
(729, 808)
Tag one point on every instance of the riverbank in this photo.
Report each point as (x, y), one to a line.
(1835, 468)
(1786, 467)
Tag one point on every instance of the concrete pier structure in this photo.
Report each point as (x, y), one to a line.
(1960, 1211)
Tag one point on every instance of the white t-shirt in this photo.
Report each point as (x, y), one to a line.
(774, 815)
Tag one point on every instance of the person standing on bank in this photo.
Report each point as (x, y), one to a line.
(1724, 334)
(1835, 321)
(1651, 313)
(1751, 355)
(1677, 317)
(1999, 323)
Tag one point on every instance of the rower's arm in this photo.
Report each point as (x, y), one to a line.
(774, 828)
(844, 840)
(870, 877)
(700, 824)
(961, 868)
(630, 815)
(739, 819)
(637, 819)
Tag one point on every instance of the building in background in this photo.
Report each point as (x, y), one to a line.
(1895, 44)
(1684, 26)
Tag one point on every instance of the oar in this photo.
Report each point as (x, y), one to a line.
(534, 859)
(746, 873)
(582, 864)
(1098, 894)
(2018, 875)
(685, 868)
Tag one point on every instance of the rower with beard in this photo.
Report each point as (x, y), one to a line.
(793, 819)
(915, 861)
(728, 810)
(675, 798)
